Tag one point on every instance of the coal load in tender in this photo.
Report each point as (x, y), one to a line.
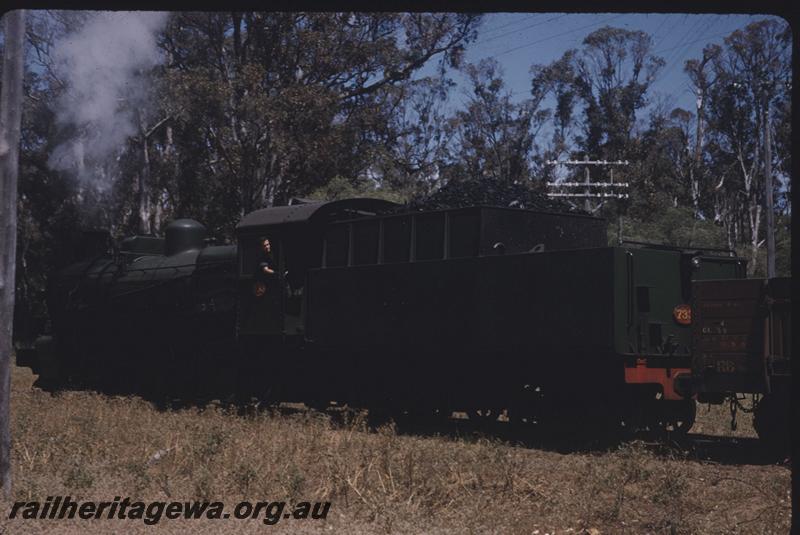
(459, 193)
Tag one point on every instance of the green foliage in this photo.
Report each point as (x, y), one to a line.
(478, 191)
(285, 102)
(673, 226)
(750, 71)
(783, 246)
(611, 75)
(342, 188)
(783, 251)
(495, 136)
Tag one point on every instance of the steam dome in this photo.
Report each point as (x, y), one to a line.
(184, 235)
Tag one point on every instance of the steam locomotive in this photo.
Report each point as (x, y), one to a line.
(480, 309)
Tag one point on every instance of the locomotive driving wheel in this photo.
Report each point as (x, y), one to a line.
(484, 415)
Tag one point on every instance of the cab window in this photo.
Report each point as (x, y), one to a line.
(337, 244)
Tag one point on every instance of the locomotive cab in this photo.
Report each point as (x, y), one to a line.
(274, 305)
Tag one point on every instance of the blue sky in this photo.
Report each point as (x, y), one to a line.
(518, 40)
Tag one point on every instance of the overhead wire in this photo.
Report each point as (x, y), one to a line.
(673, 97)
(558, 35)
(512, 92)
(539, 23)
(666, 27)
(492, 30)
(663, 21)
(683, 44)
(680, 57)
(704, 37)
(675, 23)
(692, 42)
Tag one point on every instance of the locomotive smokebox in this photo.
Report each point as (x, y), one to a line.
(184, 235)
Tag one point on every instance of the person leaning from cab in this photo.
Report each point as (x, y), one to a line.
(266, 267)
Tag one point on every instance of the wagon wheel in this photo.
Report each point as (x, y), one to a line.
(772, 423)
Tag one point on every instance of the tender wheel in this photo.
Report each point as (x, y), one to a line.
(679, 416)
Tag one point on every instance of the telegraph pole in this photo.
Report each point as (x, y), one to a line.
(768, 188)
(10, 114)
(588, 181)
(609, 190)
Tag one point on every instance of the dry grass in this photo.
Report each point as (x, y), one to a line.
(90, 446)
(716, 420)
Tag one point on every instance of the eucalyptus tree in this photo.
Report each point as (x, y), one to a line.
(702, 80)
(273, 105)
(599, 90)
(556, 80)
(751, 71)
(495, 136)
(614, 70)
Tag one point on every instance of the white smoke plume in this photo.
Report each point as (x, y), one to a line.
(105, 66)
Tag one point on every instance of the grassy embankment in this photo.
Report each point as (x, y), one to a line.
(90, 446)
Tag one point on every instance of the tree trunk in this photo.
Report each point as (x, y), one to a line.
(10, 117)
(755, 224)
(694, 170)
(269, 185)
(145, 207)
(158, 214)
(144, 193)
(729, 237)
(695, 185)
